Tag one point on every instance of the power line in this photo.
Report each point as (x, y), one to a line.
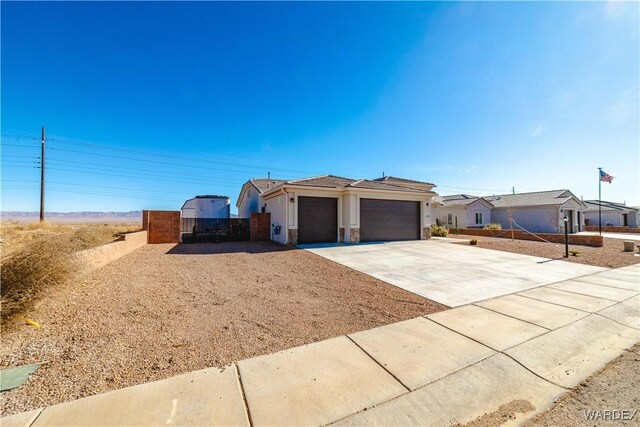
(19, 157)
(162, 155)
(93, 193)
(72, 163)
(115, 187)
(147, 174)
(11, 135)
(19, 145)
(248, 167)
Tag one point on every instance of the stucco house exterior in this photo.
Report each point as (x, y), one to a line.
(329, 208)
(461, 211)
(613, 214)
(541, 211)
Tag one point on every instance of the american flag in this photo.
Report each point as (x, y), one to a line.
(605, 177)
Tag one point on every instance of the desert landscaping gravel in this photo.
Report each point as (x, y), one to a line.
(613, 388)
(164, 310)
(610, 255)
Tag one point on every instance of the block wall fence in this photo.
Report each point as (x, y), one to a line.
(162, 226)
(102, 255)
(574, 239)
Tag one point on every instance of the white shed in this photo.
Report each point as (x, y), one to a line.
(207, 207)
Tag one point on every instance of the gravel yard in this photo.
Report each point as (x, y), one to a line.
(608, 256)
(165, 310)
(614, 387)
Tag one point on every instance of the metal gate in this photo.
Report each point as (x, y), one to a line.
(205, 230)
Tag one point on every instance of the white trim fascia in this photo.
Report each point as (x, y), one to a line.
(287, 186)
(422, 195)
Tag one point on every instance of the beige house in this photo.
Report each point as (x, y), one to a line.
(328, 209)
(461, 211)
(613, 214)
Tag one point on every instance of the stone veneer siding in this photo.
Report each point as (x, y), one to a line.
(426, 233)
(292, 236)
(341, 235)
(354, 235)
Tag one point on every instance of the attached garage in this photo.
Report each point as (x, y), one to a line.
(383, 220)
(317, 220)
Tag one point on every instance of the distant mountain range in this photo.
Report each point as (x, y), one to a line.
(131, 216)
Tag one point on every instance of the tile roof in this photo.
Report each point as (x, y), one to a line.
(459, 197)
(332, 181)
(539, 198)
(593, 205)
(459, 200)
(395, 179)
(262, 184)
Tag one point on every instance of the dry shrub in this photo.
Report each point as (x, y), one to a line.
(439, 231)
(40, 256)
(493, 226)
(47, 260)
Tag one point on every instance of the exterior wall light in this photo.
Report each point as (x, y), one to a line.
(292, 200)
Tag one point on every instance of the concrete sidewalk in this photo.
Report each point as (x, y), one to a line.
(511, 356)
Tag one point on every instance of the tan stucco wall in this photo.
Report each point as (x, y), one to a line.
(102, 255)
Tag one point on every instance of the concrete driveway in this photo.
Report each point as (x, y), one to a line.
(451, 274)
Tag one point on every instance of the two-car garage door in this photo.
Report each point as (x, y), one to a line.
(380, 220)
(389, 220)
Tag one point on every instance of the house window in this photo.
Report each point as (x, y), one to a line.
(479, 218)
(449, 219)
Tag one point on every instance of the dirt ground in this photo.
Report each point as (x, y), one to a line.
(610, 255)
(614, 388)
(164, 310)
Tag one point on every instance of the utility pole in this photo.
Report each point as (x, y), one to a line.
(513, 190)
(42, 177)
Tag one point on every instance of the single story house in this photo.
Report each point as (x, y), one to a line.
(541, 211)
(329, 208)
(613, 214)
(461, 211)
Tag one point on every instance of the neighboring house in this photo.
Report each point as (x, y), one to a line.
(541, 211)
(461, 211)
(613, 214)
(207, 207)
(329, 208)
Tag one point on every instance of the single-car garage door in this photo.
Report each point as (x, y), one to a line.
(317, 220)
(389, 220)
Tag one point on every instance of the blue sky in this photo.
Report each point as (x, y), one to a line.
(475, 97)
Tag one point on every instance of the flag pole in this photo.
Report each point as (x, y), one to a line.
(600, 201)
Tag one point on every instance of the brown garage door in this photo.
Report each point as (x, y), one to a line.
(317, 220)
(389, 220)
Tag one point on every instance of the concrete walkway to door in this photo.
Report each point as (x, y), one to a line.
(451, 274)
